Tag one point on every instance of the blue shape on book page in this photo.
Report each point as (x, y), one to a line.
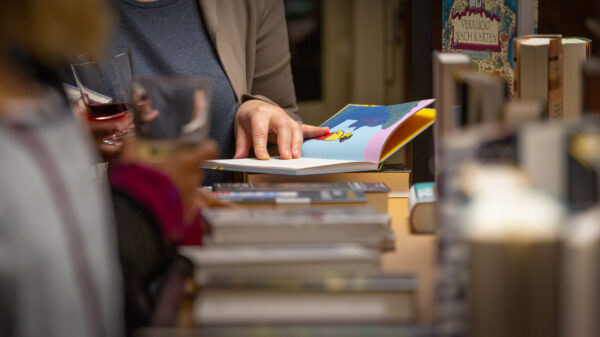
(330, 146)
(358, 130)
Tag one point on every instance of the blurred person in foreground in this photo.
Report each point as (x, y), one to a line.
(63, 262)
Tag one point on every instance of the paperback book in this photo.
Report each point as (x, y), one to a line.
(300, 186)
(485, 30)
(298, 225)
(375, 194)
(361, 137)
(291, 261)
(293, 197)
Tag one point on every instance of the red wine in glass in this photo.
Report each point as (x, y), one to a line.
(104, 84)
(111, 112)
(107, 111)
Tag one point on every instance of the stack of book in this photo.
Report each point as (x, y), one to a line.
(290, 265)
(305, 245)
(300, 253)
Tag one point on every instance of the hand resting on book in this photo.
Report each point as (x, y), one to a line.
(258, 122)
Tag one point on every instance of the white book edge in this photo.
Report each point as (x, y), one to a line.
(299, 166)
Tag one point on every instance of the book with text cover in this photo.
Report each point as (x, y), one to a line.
(291, 197)
(485, 30)
(361, 137)
(294, 193)
(300, 186)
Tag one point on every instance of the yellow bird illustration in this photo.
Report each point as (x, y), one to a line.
(334, 136)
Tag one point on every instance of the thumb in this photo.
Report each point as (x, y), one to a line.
(311, 131)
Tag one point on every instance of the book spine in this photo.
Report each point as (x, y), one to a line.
(516, 92)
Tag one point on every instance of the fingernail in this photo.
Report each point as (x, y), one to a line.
(262, 154)
(296, 152)
(286, 153)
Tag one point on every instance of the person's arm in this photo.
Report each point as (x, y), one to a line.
(269, 112)
(272, 81)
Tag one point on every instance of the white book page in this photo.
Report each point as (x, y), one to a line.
(288, 166)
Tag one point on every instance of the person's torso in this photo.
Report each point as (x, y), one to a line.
(169, 38)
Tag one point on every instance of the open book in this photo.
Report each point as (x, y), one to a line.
(361, 137)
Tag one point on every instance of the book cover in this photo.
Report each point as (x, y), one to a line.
(300, 186)
(361, 137)
(295, 217)
(293, 197)
(421, 202)
(299, 225)
(485, 30)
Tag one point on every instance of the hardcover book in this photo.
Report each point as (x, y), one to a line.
(292, 193)
(539, 71)
(300, 186)
(485, 30)
(298, 225)
(292, 197)
(361, 137)
(421, 202)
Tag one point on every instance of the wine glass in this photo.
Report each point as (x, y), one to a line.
(171, 114)
(105, 86)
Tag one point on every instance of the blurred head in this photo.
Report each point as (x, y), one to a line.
(53, 30)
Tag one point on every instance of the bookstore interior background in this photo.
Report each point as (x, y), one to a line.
(455, 193)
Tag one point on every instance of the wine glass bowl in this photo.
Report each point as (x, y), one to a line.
(105, 87)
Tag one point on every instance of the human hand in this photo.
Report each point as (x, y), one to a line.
(99, 130)
(102, 129)
(182, 168)
(257, 122)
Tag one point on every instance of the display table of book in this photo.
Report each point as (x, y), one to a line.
(391, 295)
